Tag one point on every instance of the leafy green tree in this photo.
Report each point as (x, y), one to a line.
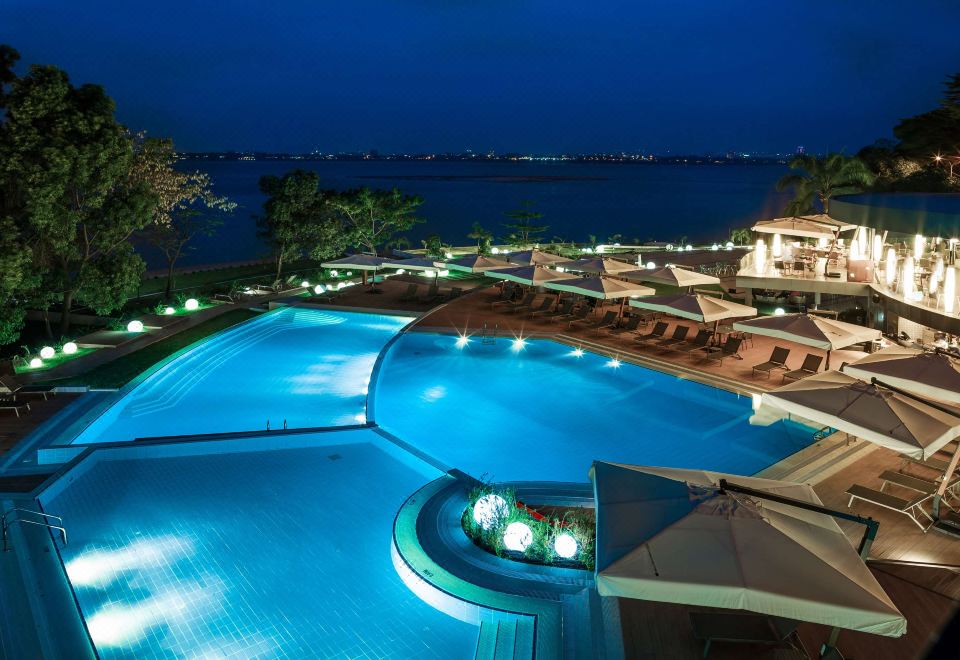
(741, 236)
(523, 227)
(483, 238)
(434, 246)
(825, 178)
(14, 273)
(374, 217)
(186, 207)
(299, 219)
(934, 133)
(65, 172)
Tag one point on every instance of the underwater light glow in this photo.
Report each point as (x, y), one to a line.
(191, 305)
(47, 352)
(614, 362)
(518, 344)
(488, 509)
(517, 537)
(565, 545)
(577, 352)
(462, 341)
(69, 348)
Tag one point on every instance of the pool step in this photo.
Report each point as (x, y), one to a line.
(506, 639)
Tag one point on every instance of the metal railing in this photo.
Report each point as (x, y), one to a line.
(5, 523)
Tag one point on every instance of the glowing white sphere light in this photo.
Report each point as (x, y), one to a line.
(488, 509)
(565, 545)
(169, 311)
(651, 265)
(334, 273)
(47, 352)
(69, 348)
(517, 537)
(305, 284)
(135, 326)
(779, 311)
(191, 304)
(36, 363)
(318, 289)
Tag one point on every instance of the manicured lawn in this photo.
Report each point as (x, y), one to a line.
(122, 370)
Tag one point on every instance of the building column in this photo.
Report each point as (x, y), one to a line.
(816, 300)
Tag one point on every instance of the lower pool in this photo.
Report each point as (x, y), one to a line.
(545, 411)
(256, 554)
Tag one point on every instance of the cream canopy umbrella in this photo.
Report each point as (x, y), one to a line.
(931, 374)
(696, 307)
(475, 263)
(601, 287)
(535, 257)
(685, 536)
(823, 219)
(871, 412)
(529, 275)
(600, 266)
(672, 276)
(809, 330)
(361, 262)
(413, 263)
(794, 227)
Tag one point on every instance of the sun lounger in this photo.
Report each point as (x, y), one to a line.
(15, 390)
(527, 299)
(565, 311)
(912, 482)
(433, 293)
(609, 320)
(455, 292)
(912, 507)
(730, 348)
(580, 316)
(679, 335)
(778, 360)
(810, 366)
(9, 403)
(411, 293)
(629, 327)
(744, 628)
(657, 333)
(545, 306)
(698, 342)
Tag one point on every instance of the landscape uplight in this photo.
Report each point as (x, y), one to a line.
(517, 537)
(565, 545)
(890, 274)
(135, 326)
(169, 311)
(47, 352)
(318, 289)
(489, 509)
(36, 363)
(191, 304)
(906, 283)
(69, 348)
(779, 311)
(949, 289)
(334, 273)
(305, 284)
(651, 265)
(918, 244)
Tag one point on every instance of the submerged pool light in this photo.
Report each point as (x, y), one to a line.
(47, 352)
(191, 304)
(614, 363)
(518, 344)
(69, 348)
(488, 509)
(462, 341)
(565, 545)
(577, 352)
(517, 537)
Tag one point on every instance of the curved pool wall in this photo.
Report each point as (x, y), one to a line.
(269, 546)
(545, 412)
(294, 367)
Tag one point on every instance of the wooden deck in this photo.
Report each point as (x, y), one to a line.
(13, 428)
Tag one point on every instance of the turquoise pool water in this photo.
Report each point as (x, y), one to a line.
(267, 554)
(306, 367)
(545, 413)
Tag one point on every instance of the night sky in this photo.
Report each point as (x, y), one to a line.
(545, 76)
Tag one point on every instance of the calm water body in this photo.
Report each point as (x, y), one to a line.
(644, 201)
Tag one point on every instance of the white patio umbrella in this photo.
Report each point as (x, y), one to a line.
(475, 263)
(826, 220)
(413, 263)
(600, 266)
(672, 276)
(931, 374)
(867, 411)
(602, 288)
(795, 227)
(675, 536)
(361, 262)
(695, 306)
(529, 275)
(809, 330)
(535, 257)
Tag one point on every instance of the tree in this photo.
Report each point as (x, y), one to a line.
(374, 217)
(434, 246)
(186, 206)
(934, 133)
(483, 238)
(299, 219)
(65, 172)
(14, 274)
(741, 236)
(825, 178)
(523, 228)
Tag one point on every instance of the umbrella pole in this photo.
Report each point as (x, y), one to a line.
(828, 359)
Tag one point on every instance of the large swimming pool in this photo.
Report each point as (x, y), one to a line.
(545, 411)
(298, 367)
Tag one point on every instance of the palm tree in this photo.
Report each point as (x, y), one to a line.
(825, 178)
(483, 238)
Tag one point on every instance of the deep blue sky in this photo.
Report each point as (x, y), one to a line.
(542, 76)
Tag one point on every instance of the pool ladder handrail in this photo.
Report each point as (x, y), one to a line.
(489, 338)
(5, 524)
